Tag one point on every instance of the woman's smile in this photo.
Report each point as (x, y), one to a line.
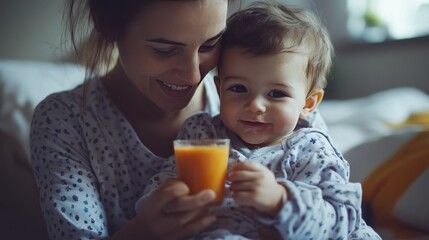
(173, 90)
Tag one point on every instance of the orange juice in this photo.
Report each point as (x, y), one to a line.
(202, 164)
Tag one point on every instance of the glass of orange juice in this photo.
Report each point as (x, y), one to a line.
(202, 164)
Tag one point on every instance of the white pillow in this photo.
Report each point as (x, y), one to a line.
(352, 122)
(23, 84)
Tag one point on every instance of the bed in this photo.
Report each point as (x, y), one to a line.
(384, 136)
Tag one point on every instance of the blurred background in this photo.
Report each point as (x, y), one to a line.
(379, 44)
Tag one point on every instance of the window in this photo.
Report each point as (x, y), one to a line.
(379, 20)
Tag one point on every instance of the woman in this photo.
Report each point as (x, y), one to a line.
(94, 148)
(92, 157)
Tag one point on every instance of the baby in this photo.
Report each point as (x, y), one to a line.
(272, 72)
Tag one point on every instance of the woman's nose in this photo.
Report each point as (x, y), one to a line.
(255, 104)
(189, 69)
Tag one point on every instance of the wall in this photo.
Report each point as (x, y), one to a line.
(30, 29)
(363, 69)
(33, 29)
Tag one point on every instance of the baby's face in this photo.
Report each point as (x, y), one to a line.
(262, 97)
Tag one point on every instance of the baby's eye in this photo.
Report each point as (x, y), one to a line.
(238, 88)
(277, 94)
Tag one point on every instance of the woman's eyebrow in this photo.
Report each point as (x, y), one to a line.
(166, 41)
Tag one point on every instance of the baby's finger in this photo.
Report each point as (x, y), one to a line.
(242, 186)
(246, 175)
(239, 176)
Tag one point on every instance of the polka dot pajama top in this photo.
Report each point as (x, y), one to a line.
(90, 171)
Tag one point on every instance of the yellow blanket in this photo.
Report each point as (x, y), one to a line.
(390, 180)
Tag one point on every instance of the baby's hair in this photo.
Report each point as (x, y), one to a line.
(268, 27)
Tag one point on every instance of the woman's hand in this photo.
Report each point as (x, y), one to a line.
(171, 213)
(252, 184)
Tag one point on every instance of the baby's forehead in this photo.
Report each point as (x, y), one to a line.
(285, 53)
(236, 59)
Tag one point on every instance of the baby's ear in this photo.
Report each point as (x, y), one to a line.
(217, 82)
(311, 103)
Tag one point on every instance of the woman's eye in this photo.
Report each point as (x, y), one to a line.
(238, 88)
(165, 52)
(277, 94)
(208, 48)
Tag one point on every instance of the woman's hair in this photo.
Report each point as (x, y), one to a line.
(94, 26)
(267, 27)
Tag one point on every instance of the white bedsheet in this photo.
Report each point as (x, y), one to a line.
(356, 121)
(23, 84)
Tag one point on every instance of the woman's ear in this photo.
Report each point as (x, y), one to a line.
(311, 103)
(217, 82)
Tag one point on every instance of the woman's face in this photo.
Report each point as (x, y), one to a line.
(170, 47)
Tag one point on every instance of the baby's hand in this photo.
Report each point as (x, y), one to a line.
(252, 184)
